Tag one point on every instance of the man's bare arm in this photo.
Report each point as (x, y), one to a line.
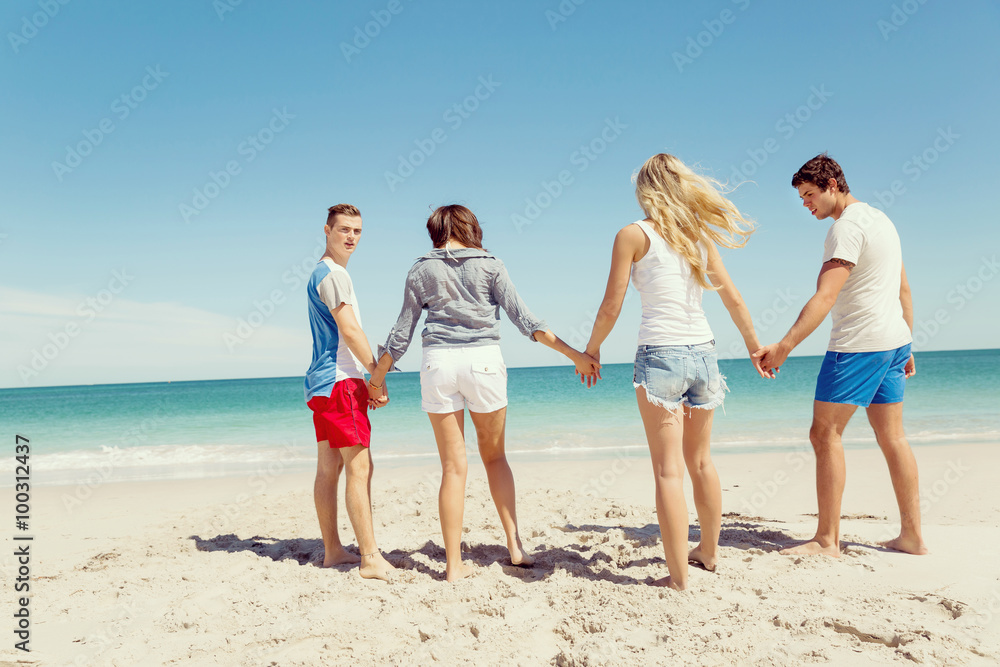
(831, 280)
(906, 299)
(355, 338)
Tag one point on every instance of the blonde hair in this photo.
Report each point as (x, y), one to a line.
(687, 209)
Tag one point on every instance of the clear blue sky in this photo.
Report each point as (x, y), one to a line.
(115, 114)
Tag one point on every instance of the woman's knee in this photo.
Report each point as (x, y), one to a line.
(699, 463)
(454, 468)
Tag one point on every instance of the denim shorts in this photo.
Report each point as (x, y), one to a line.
(677, 375)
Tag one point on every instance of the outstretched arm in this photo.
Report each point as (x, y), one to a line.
(585, 364)
(831, 279)
(630, 244)
(356, 341)
(734, 303)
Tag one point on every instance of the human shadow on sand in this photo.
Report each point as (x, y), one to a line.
(310, 552)
(429, 559)
(739, 534)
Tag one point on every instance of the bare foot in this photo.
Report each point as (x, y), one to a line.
(910, 545)
(812, 548)
(520, 557)
(668, 582)
(339, 556)
(460, 572)
(708, 562)
(374, 566)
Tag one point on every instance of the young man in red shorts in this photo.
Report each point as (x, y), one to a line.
(337, 394)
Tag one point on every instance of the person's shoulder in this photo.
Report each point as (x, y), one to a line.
(634, 233)
(340, 272)
(322, 269)
(861, 213)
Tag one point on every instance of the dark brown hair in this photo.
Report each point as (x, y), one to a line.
(454, 222)
(819, 171)
(342, 209)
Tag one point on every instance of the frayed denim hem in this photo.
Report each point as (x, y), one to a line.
(716, 402)
(659, 402)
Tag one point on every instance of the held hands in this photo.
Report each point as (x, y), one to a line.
(377, 396)
(768, 359)
(588, 367)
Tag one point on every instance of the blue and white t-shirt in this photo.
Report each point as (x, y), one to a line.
(332, 361)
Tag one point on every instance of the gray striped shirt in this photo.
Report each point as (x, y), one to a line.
(462, 290)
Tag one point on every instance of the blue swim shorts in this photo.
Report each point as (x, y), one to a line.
(863, 378)
(676, 375)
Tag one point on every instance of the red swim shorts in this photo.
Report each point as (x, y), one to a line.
(342, 418)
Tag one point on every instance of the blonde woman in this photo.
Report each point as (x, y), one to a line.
(672, 258)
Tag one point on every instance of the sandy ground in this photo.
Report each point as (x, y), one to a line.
(223, 572)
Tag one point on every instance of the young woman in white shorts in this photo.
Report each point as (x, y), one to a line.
(463, 288)
(672, 258)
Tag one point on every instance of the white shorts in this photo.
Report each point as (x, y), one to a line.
(452, 378)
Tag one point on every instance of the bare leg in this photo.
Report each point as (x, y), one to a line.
(887, 421)
(664, 433)
(829, 421)
(449, 431)
(705, 480)
(490, 431)
(328, 467)
(359, 466)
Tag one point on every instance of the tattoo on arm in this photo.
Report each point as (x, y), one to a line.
(843, 262)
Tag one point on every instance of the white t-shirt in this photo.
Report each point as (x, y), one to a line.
(868, 316)
(671, 298)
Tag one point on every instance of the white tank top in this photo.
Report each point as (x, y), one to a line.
(671, 298)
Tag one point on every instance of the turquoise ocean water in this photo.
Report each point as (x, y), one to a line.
(97, 433)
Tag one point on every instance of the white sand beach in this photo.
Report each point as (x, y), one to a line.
(222, 572)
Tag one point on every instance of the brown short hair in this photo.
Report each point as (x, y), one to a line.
(454, 222)
(342, 209)
(819, 171)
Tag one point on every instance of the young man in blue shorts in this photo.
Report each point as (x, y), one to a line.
(864, 284)
(337, 394)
